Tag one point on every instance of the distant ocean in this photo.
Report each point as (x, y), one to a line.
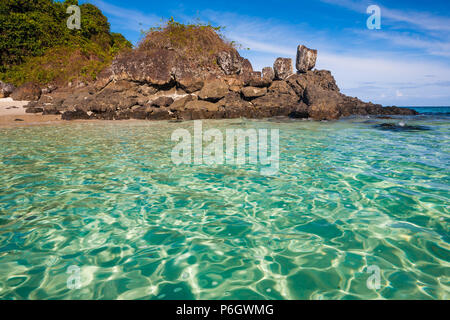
(432, 110)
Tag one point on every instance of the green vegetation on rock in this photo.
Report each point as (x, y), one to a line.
(36, 45)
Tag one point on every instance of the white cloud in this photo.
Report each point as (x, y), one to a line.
(127, 19)
(423, 20)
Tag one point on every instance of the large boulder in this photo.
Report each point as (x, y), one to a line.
(253, 92)
(320, 78)
(6, 89)
(190, 85)
(306, 59)
(254, 79)
(153, 67)
(268, 74)
(161, 102)
(283, 68)
(230, 62)
(214, 90)
(323, 104)
(27, 92)
(179, 105)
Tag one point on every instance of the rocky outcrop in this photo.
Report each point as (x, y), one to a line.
(283, 68)
(6, 89)
(27, 92)
(306, 59)
(156, 86)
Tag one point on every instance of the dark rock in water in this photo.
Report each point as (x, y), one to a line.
(29, 91)
(306, 59)
(34, 110)
(400, 127)
(51, 111)
(19, 120)
(384, 117)
(283, 68)
(75, 115)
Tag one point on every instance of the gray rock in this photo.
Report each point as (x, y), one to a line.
(6, 89)
(283, 68)
(229, 62)
(268, 74)
(306, 59)
(214, 90)
(253, 92)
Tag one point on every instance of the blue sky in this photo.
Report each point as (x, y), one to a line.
(406, 62)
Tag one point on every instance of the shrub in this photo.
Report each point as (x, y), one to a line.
(36, 45)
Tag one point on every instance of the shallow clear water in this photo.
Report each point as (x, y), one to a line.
(106, 198)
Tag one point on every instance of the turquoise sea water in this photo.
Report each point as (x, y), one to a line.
(106, 198)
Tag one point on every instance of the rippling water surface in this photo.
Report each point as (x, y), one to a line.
(105, 197)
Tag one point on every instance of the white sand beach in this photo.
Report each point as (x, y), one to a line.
(12, 113)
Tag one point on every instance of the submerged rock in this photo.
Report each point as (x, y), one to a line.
(399, 127)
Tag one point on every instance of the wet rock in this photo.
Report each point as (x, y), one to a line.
(306, 59)
(301, 111)
(34, 110)
(198, 105)
(323, 104)
(214, 90)
(75, 115)
(51, 111)
(283, 68)
(160, 114)
(399, 127)
(27, 92)
(140, 112)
